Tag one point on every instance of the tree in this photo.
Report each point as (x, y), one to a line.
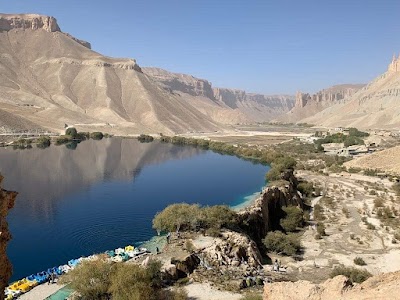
(177, 216)
(293, 218)
(96, 135)
(71, 131)
(91, 279)
(218, 216)
(277, 241)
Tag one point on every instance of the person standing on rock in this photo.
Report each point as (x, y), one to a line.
(168, 237)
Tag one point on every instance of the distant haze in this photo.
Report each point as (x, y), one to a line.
(268, 47)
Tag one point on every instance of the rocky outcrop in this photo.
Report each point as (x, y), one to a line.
(183, 83)
(266, 212)
(233, 249)
(383, 286)
(7, 200)
(307, 105)
(330, 95)
(237, 98)
(31, 21)
(394, 66)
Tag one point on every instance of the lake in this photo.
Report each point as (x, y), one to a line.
(104, 194)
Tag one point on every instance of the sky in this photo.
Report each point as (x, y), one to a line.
(262, 46)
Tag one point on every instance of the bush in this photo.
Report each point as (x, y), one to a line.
(277, 241)
(306, 188)
(63, 139)
(321, 229)
(185, 216)
(71, 132)
(100, 279)
(96, 135)
(279, 165)
(43, 142)
(144, 138)
(359, 261)
(355, 275)
(293, 218)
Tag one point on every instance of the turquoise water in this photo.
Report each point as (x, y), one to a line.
(62, 294)
(104, 194)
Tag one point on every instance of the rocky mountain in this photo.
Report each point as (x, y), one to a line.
(307, 105)
(49, 78)
(374, 106)
(245, 107)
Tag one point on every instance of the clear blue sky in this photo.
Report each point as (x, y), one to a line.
(265, 46)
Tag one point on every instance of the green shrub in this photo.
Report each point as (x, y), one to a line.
(277, 241)
(293, 218)
(43, 142)
(144, 138)
(359, 261)
(306, 188)
(185, 216)
(96, 135)
(72, 132)
(63, 139)
(355, 275)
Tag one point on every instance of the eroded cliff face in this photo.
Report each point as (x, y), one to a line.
(7, 200)
(266, 212)
(330, 95)
(34, 22)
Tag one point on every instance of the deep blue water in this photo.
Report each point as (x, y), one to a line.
(104, 194)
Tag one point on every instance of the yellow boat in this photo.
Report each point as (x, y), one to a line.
(129, 248)
(21, 285)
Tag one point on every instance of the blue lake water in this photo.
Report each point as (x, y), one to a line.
(104, 194)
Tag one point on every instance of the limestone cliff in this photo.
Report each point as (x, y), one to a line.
(33, 22)
(383, 286)
(307, 105)
(265, 214)
(6, 203)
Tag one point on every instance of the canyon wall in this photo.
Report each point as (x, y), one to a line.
(7, 200)
(266, 212)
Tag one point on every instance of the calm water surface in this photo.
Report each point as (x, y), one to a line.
(104, 194)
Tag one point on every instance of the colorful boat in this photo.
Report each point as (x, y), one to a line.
(129, 248)
(21, 285)
(119, 251)
(110, 253)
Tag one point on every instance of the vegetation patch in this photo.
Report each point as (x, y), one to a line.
(355, 275)
(279, 242)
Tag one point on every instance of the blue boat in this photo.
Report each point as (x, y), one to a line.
(73, 263)
(41, 277)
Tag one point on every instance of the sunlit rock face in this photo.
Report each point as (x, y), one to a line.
(7, 200)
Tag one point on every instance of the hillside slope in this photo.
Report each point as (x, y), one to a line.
(50, 78)
(374, 106)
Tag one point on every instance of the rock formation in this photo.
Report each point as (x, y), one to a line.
(307, 105)
(374, 106)
(7, 200)
(383, 286)
(394, 66)
(31, 21)
(265, 214)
